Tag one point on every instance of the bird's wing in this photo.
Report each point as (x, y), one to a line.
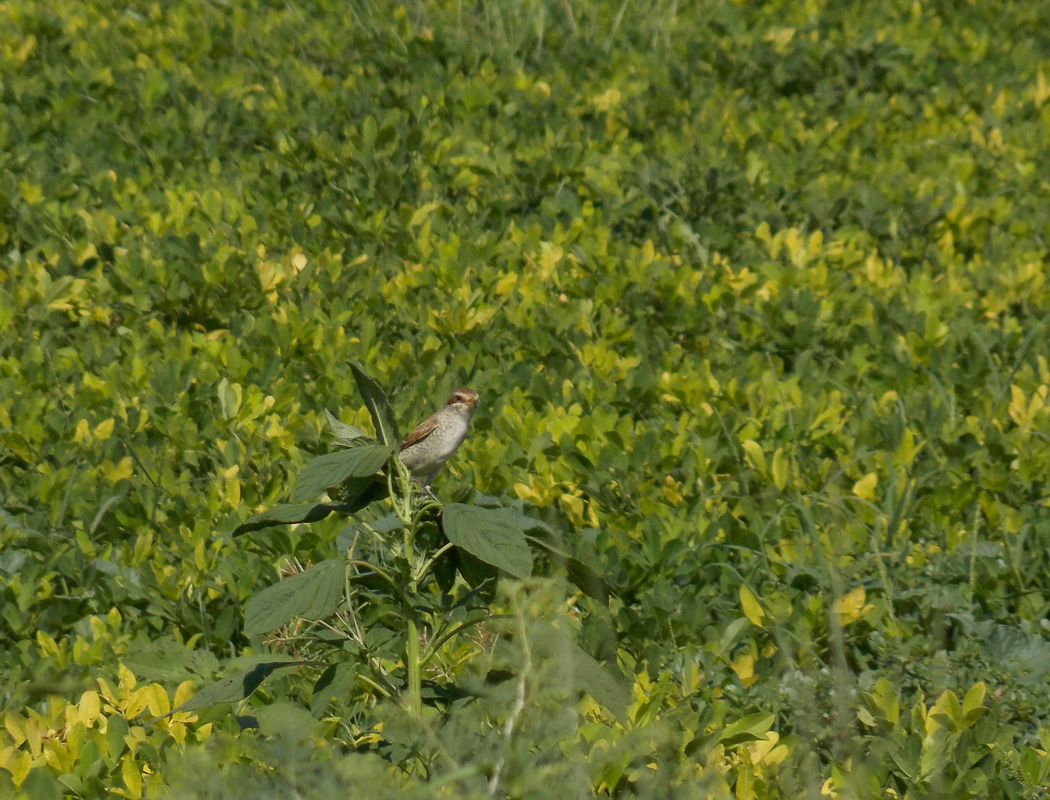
(425, 428)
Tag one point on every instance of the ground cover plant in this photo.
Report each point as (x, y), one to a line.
(754, 296)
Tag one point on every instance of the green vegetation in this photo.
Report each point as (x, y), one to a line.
(754, 295)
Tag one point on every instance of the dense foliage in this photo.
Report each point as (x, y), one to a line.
(754, 295)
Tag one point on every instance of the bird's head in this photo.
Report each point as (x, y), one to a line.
(464, 400)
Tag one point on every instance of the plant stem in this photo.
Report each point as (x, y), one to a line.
(444, 637)
(373, 569)
(413, 665)
(425, 568)
(510, 724)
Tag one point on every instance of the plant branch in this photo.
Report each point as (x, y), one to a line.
(459, 628)
(510, 725)
(426, 565)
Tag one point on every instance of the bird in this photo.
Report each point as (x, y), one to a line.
(426, 449)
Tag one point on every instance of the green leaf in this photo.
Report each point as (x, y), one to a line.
(481, 577)
(168, 660)
(585, 577)
(751, 728)
(752, 608)
(354, 494)
(236, 687)
(287, 721)
(116, 730)
(286, 514)
(334, 682)
(886, 701)
(599, 683)
(587, 580)
(312, 594)
(490, 535)
(346, 435)
(331, 469)
(445, 570)
(523, 520)
(378, 406)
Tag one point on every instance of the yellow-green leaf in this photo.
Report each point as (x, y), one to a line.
(851, 606)
(779, 468)
(89, 708)
(744, 667)
(119, 471)
(755, 457)
(865, 487)
(752, 608)
(18, 765)
(132, 777)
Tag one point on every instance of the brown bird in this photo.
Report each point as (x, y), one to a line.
(425, 450)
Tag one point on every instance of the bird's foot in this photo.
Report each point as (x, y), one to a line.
(425, 490)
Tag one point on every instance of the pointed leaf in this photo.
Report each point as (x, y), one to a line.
(587, 580)
(331, 469)
(236, 687)
(312, 594)
(346, 435)
(378, 406)
(445, 570)
(490, 535)
(286, 514)
(482, 578)
(751, 728)
(116, 730)
(334, 682)
(752, 608)
(585, 577)
(599, 683)
(527, 523)
(354, 494)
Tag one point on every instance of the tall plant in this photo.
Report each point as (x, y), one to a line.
(399, 587)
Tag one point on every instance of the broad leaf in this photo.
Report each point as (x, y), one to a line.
(751, 728)
(445, 570)
(168, 660)
(599, 683)
(236, 687)
(334, 682)
(587, 580)
(354, 494)
(286, 720)
(490, 535)
(482, 578)
(527, 523)
(286, 514)
(346, 435)
(581, 671)
(378, 406)
(312, 594)
(331, 469)
(585, 577)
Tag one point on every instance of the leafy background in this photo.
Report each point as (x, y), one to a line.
(753, 294)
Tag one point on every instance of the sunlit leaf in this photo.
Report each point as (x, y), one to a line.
(236, 687)
(378, 406)
(490, 535)
(331, 469)
(752, 608)
(312, 594)
(286, 514)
